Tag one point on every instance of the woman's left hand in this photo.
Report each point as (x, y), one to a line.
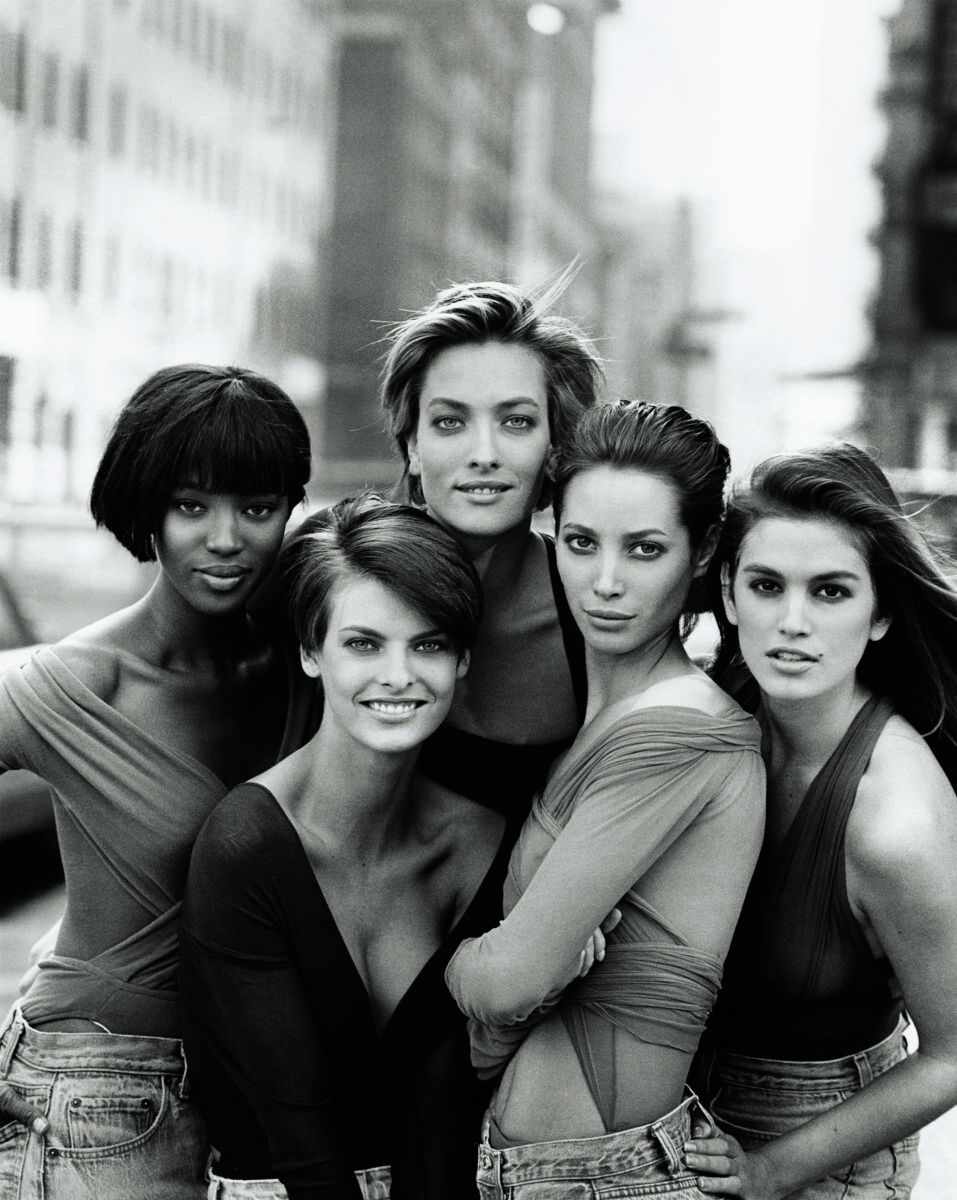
(728, 1169)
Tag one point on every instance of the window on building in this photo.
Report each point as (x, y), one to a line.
(44, 251)
(49, 90)
(13, 240)
(7, 367)
(13, 70)
(39, 419)
(74, 273)
(111, 269)
(80, 108)
(119, 104)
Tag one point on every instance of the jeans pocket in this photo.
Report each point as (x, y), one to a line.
(111, 1113)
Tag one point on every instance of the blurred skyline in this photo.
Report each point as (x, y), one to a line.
(766, 119)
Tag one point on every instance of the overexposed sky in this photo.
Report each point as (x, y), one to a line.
(764, 115)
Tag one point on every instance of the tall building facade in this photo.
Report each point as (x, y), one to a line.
(910, 400)
(462, 150)
(163, 185)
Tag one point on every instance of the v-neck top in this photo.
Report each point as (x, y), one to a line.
(501, 775)
(801, 981)
(128, 807)
(292, 1076)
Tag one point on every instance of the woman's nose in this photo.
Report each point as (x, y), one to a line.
(484, 451)
(223, 535)
(607, 581)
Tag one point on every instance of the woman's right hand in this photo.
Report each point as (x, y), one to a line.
(15, 1108)
(595, 946)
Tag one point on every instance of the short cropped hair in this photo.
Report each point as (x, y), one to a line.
(401, 547)
(223, 429)
(475, 313)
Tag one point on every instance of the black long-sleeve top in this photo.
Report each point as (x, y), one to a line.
(287, 1067)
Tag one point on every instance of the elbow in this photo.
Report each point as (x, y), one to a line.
(490, 988)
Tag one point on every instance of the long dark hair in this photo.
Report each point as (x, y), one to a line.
(915, 664)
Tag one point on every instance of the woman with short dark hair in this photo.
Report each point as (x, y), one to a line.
(481, 390)
(140, 723)
(845, 621)
(326, 895)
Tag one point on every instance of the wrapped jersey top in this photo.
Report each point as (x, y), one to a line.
(128, 808)
(801, 981)
(610, 812)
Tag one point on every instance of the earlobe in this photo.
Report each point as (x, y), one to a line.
(879, 626)
(706, 552)
(727, 596)
(412, 449)
(310, 663)
(462, 667)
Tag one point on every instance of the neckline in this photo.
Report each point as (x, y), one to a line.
(799, 819)
(618, 713)
(444, 947)
(95, 701)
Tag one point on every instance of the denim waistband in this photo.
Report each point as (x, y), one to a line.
(854, 1070)
(628, 1149)
(59, 1051)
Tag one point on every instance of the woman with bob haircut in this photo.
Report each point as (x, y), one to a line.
(481, 389)
(326, 895)
(656, 810)
(846, 622)
(140, 723)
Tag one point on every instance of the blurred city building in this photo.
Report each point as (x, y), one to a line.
(910, 401)
(462, 151)
(164, 179)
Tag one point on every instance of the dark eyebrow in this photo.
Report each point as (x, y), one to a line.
(760, 569)
(463, 406)
(637, 534)
(365, 631)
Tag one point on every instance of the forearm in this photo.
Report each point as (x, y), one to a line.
(894, 1106)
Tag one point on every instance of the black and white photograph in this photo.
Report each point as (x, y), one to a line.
(478, 600)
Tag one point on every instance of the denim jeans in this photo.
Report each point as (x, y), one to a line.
(644, 1163)
(120, 1123)
(756, 1099)
(374, 1184)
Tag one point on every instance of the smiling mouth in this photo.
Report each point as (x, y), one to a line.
(791, 656)
(393, 708)
(483, 489)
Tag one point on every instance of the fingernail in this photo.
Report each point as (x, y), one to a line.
(690, 1147)
(40, 1125)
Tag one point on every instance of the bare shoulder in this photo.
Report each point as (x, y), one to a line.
(694, 690)
(94, 654)
(467, 828)
(905, 810)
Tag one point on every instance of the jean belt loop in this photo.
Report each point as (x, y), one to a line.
(10, 1039)
(865, 1072)
(183, 1089)
(664, 1140)
(701, 1108)
(213, 1190)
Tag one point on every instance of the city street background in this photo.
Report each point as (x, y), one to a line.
(759, 200)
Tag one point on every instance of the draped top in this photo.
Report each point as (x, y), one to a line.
(128, 808)
(615, 808)
(801, 981)
(505, 776)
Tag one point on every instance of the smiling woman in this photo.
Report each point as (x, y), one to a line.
(141, 723)
(326, 896)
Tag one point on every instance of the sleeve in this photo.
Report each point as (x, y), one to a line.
(11, 726)
(245, 999)
(640, 797)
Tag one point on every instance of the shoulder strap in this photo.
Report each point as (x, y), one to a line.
(571, 634)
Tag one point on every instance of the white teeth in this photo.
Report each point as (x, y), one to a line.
(788, 657)
(483, 491)
(392, 707)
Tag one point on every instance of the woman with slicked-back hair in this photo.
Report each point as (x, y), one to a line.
(140, 723)
(481, 389)
(846, 621)
(654, 814)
